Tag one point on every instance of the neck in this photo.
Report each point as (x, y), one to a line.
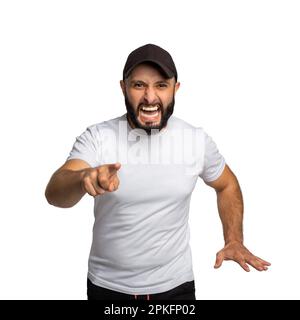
(130, 122)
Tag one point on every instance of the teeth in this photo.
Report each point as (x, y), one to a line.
(150, 108)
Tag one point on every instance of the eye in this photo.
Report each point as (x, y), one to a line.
(162, 85)
(138, 85)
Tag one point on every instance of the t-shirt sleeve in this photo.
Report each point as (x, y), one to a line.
(214, 162)
(86, 148)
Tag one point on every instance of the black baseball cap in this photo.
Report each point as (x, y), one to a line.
(153, 54)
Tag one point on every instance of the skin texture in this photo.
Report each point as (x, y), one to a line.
(146, 86)
(76, 178)
(230, 207)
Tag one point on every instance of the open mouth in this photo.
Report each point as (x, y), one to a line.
(150, 114)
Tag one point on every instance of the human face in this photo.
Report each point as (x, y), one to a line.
(149, 97)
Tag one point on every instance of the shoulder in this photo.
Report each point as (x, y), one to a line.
(107, 125)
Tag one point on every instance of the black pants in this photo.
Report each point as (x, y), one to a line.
(185, 291)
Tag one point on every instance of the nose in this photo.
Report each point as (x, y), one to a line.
(150, 96)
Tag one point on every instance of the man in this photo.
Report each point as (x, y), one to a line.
(141, 169)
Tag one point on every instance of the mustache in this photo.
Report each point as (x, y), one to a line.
(149, 105)
(165, 114)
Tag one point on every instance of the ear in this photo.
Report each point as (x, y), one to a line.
(122, 84)
(177, 85)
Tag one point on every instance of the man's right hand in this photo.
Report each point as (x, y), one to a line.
(96, 181)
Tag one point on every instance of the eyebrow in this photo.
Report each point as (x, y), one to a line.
(159, 81)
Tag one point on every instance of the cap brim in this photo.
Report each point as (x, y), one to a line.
(168, 73)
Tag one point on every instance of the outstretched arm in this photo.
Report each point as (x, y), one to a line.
(230, 207)
(76, 178)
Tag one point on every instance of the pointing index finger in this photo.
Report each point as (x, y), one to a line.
(114, 167)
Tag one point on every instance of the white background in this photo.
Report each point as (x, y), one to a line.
(239, 68)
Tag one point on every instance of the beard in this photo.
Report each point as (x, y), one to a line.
(165, 115)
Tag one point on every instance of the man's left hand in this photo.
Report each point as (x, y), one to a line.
(237, 252)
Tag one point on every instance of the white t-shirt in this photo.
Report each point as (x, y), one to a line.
(141, 232)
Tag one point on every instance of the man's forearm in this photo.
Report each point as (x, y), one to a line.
(230, 206)
(64, 188)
